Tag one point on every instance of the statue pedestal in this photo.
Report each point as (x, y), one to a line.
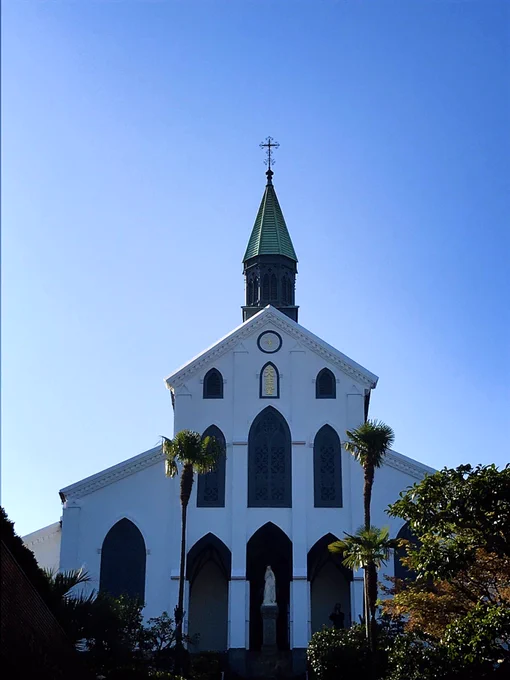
(269, 615)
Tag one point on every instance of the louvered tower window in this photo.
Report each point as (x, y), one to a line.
(325, 385)
(327, 469)
(211, 486)
(274, 287)
(265, 287)
(213, 384)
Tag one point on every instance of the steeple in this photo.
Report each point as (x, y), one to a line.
(270, 262)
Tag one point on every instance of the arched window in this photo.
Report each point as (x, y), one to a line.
(123, 558)
(325, 385)
(269, 461)
(265, 287)
(256, 292)
(401, 571)
(327, 469)
(269, 382)
(211, 486)
(213, 384)
(250, 292)
(274, 287)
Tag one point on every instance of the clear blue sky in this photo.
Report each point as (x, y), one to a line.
(131, 180)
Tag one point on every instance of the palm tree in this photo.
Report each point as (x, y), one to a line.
(365, 549)
(195, 455)
(71, 606)
(369, 444)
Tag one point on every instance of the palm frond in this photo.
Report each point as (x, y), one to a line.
(188, 448)
(62, 583)
(364, 547)
(370, 442)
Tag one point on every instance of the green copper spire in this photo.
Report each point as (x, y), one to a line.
(270, 235)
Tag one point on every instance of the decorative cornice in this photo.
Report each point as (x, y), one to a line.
(266, 317)
(112, 474)
(410, 467)
(42, 535)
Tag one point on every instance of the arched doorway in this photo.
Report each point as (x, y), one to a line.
(208, 569)
(269, 545)
(329, 584)
(123, 557)
(402, 572)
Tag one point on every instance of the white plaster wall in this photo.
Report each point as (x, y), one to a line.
(45, 544)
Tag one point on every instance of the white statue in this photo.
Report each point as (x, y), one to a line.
(269, 587)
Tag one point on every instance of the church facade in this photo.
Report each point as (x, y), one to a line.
(279, 400)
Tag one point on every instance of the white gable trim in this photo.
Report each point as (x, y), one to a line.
(271, 316)
(407, 465)
(112, 474)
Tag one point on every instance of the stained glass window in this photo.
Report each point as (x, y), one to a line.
(213, 385)
(325, 385)
(269, 461)
(123, 557)
(327, 464)
(211, 486)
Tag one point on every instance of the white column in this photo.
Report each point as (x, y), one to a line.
(237, 595)
(300, 613)
(70, 542)
(300, 601)
(357, 597)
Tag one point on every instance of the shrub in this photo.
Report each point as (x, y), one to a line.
(336, 654)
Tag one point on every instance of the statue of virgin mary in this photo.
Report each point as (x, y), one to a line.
(269, 587)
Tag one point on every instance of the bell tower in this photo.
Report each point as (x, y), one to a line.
(270, 262)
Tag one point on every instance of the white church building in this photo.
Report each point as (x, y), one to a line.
(280, 400)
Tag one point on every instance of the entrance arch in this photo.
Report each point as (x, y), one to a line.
(269, 545)
(329, 584)
(208, 569)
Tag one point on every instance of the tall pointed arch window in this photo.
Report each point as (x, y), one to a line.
(250, 292)
(274, 287)
(269, 382)
(285, 294)
(211, 486)
(325, 385)
(213, 384)
(327, 469)
(269, 461)
(123, 557)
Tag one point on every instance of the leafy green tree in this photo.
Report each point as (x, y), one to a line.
(334, 654)
(459, 603)
(369, 444)
(194, 455)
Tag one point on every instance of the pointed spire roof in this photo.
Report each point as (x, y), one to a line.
(270, 235)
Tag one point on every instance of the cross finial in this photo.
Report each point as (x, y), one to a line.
(269, 145)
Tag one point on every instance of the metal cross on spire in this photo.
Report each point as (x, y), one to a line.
(269, 144)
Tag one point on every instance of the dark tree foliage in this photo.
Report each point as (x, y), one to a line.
(24, 557)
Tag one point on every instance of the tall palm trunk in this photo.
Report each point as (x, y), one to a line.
(370, 569)
(186, 487)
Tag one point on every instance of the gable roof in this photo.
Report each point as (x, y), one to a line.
(112, 474)
(272, 316)
(270, 235)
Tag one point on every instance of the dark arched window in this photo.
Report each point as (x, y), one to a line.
(274, 287)
(123, 557)
(325, 385)
(256, 292)
(211, 486)
(327, 469)
(265, 287)
(213, 384)
(401, 571)
(285, 298)
(269, 461)
(250, 292)
(269, 382)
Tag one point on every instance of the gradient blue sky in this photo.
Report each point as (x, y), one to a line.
(131, 180)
